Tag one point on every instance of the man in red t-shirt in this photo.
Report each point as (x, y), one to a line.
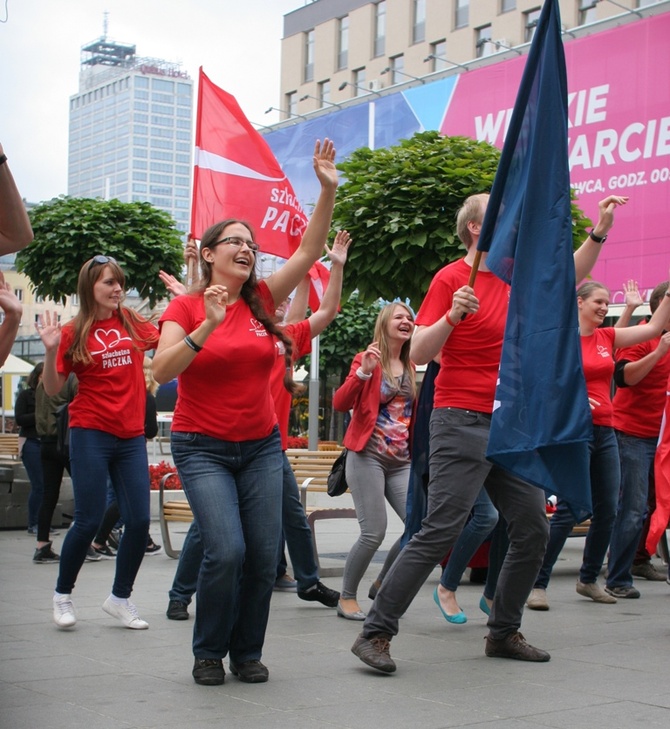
(466, 326)
(641, 375)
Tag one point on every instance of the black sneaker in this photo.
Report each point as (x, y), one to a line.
(208, 671)
(375, 652)
(320, 593)
(45, 555)
(92, 555)
(105, 552)
(627, 592)
(152, 548)
(250, 671)
(177, 610)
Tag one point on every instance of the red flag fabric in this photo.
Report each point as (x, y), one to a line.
(661, 515)
(237, 175)
(319, 275)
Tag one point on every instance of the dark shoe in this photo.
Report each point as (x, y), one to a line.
(514, 646)
(177, 610)
(208, 671)
(152, 548)
(478, 575)
(114, 539)
(249, 671)
(105, 552)
(320, 593)
(375, 652)
(647, 571)
(624, 591)
(374, 589)
(92, 555)
(45, 555)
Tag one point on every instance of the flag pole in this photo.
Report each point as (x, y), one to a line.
(473, 273)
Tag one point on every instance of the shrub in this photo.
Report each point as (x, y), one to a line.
(156, 473)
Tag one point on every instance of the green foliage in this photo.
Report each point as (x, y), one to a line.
(69, 231)
(399, 204)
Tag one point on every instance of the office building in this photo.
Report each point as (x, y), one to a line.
(131, 130)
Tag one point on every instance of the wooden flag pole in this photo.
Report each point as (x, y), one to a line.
(473, 273)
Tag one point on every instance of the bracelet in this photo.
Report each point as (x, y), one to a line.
(449, 322)
(362, 375)
(597, 238)
(190, 343)
(3, 159)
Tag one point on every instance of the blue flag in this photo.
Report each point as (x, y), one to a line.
(541, 422)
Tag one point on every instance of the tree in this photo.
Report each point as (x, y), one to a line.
(69, 231)
(399, 204)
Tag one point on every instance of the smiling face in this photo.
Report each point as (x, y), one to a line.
(231, 258)
(593, 306)
(107, 293)
(400, 324)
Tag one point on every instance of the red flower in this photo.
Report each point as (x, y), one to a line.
(156, 473)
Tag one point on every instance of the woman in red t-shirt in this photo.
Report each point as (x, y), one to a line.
(380, 390)
(598, 345)
(104, 346)
(220, 342)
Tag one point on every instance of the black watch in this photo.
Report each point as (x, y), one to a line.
(597, 238)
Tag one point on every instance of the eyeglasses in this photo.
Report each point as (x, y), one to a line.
(100, 261)
(238, 243)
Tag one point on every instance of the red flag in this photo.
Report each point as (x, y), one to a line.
(237, 175)
(319, 277)
(661, 515)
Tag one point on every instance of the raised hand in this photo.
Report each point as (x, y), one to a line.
(606, 210)
(632, 298)
(174, 286)
(338, 253)
(48, 327)
(371, 358)
(324, 163)
(216, 301)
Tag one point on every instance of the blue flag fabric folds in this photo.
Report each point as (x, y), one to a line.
(541, 423)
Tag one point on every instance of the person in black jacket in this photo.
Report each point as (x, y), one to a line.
(24, 414)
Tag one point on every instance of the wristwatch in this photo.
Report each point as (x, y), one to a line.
(597, 238)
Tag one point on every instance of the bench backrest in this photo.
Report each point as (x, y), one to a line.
(312, 464)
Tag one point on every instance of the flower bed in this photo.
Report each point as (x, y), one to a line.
(156, 473)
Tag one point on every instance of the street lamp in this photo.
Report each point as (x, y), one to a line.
(402, 73)
(344, 84)
(433, 57)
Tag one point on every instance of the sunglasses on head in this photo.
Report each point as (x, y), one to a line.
(100, 261)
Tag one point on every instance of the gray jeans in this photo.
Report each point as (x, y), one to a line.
(373, 480)
(458, 470)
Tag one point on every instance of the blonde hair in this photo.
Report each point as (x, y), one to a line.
(149, 380)
(472, 211)
(381, 337)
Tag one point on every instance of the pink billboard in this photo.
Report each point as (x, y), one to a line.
(619, 137)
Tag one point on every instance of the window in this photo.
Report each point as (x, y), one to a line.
(309, 56)
(343, 43)
(380, 29)
(507, 5)
(397, 64)
(19, 294)
(530, 23)
(438, 55)
(292, 103)
(359, 80)
(419, 21)
(462, 17)
(587, 11)
(483, 45)
(324, 92)
(158, 84)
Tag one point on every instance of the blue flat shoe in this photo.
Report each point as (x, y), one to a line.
(457, 619)
(484, 606)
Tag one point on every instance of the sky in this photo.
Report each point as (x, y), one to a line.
(237, 42)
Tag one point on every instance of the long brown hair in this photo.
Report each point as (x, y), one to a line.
(381, 337)
(89, 273)
(249, 294)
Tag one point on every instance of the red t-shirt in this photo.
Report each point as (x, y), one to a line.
(112, 392)
(638, 410)
(470, 358)
(598, 364)
(300, 335)
(225, 391)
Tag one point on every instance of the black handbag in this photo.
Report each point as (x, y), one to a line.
(337, 482)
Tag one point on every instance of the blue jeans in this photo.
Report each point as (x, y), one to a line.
(482, 522)
(95, 455)
(32, 462)
(605, 478)
(234, 490)
(297, 533)
(636, 456)
(458, 470)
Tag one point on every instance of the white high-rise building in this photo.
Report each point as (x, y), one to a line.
(131, 132)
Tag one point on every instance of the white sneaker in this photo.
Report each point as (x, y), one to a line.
(64, 616)
(126, 613)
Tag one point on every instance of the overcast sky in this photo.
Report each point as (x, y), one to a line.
(237, 42)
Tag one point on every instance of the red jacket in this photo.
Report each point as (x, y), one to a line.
(363, 397)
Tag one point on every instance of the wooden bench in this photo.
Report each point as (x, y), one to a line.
(9, 445)
(311, 469)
